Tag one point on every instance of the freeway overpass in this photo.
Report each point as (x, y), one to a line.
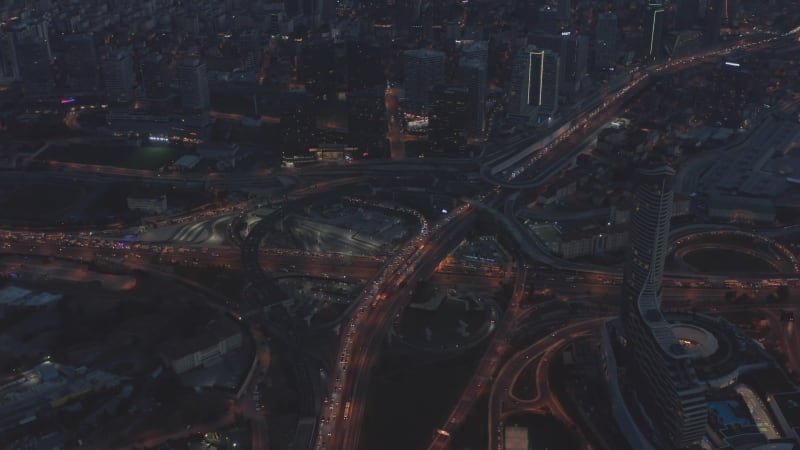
(340, 425)
(102, 173)
(537, 251)
(506, 160)
(550, 170)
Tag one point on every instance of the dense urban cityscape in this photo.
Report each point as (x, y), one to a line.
(400, 224)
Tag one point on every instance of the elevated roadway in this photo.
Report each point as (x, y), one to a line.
(537, 251)
(177, 255)
(363, 335)
(482, 376)
(541, 352)
(102, 173)
(548, 153)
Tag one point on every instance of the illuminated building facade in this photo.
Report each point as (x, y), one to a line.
(535, 83)
(543, 80)
(573, 55)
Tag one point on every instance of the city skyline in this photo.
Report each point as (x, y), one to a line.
(400, 224)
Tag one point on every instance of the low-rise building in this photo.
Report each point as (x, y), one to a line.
(187, 162)
(304, 433)
(583, 243)
(786, 408)
(681, 205)
(576, 244)
(516, 438)
(557, 192)
(225, 155)
(151, 205)
(17, 297)
(42, 391)
(161, 128)
(205, 349)
(739, 209)
(621, 211)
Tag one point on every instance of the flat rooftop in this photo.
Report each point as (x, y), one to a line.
(789, 403)
(516, 438)
(697, 341)
(17, 296)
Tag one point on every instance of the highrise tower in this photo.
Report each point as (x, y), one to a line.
(424, 69)
(653, 30)
(79, 62)
(473, 67)
(30, 56)
(534, 89)
(573, 54)
(715, 17)
(118, 76)
(672, 395)
(606, 33)
(192, 80)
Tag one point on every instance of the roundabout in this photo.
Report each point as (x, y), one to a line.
(719, 258)
(731, 251)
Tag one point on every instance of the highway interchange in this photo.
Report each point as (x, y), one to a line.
(388, 281)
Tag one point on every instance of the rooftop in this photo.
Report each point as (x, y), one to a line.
(731, 202)
(719, 351)
(17, 296)
(697, 341)
(213, 333)
(789, 404)
(424, 53)
(516, 438)
(188, 161)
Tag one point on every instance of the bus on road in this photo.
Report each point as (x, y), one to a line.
(346, 410)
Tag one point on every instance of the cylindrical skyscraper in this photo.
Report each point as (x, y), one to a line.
(671, 393)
